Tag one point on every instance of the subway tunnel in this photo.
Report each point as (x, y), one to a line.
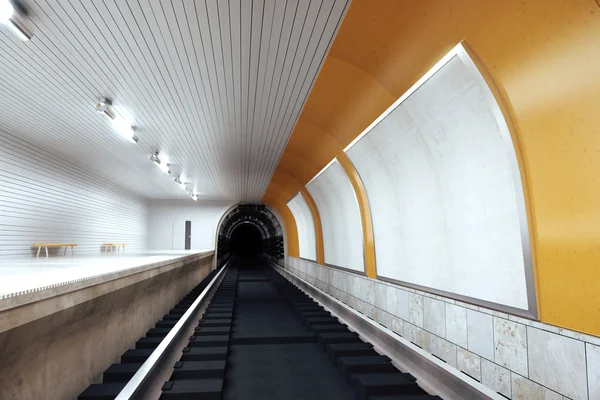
(323, 199)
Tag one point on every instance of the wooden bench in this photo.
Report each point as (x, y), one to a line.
(46, 245)
(112, 246)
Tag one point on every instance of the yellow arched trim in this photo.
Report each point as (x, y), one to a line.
(291, 230)
(318, 227)
(365, 214)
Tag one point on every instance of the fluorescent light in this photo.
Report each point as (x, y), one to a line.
(6, 11)
(160, 162)
(124, 129)
(194, 197)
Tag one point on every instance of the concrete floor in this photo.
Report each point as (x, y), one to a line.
(19, 275)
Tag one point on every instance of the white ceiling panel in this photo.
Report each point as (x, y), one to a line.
(216, 86)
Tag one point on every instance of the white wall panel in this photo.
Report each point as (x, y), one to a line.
(166, 223)
(446, 203)
(44, 198)
(306, 227)
(340, 218)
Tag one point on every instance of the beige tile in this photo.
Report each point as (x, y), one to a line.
(443, 349)
(525, 389)
(415, 310)
(410, 332)
(480, 334)
(495, 377)
(397, 325)
(434, 316)
(402, 304)
(424, 339)
(381, 295)
(557, 362)
(510, 345)
(456, 324)
(593, 370)
(469, 363)
(391, 300)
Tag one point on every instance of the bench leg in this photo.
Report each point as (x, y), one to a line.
(46, 247)
(65, 253)
(39, 249)
(72, 250)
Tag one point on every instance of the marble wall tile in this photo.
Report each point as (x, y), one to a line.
(424, 339)
(480, 334)
(443, 349)
(434, 316)
(381, 296)
(370, 287)
(415, 309)
(397, 325)
(410, 332)
(468, 362)
(384, 318)
(510, 345)
(524, 389)
(593, 370)
(391, 300)
(402, 304)
(557, 362)
(495, 377)
(456, 324)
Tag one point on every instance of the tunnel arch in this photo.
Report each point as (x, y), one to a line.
(240, 219)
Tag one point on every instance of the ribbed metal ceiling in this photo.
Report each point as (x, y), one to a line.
(215, 86)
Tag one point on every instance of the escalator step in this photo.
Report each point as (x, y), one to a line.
(208, 341)
(215, 322)
(366, 385)
(102, 391)
(171, 317)
(120, 372)
(325, 338)
(148, 342)
(315, 314)
(369, 364)
(207, 331)
(217, 315)
(336, 350)
(158, 332)
(329, 328)
(321, 321)
(309, 337)
(198, 370)
(165, 324)
(203, 353)
(136, 355)
(206, 389)
(409, 397)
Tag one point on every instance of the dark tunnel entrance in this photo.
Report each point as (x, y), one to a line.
(246, 241)
(250, 231)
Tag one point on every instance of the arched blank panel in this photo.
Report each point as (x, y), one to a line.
(445, 193)
(340, 218)
(306, 227)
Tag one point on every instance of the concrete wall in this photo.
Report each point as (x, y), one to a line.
(520, 358)
(85, 331)
(44, 198)
(166, 220)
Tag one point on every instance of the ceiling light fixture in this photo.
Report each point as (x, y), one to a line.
(12, 13)
(124, 129)
(162, 164)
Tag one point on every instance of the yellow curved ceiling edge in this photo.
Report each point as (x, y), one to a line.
(545, 56)
(314, 210)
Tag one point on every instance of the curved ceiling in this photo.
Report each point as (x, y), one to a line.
(214, 86)
(544, 57)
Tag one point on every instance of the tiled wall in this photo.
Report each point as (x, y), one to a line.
(517, 357)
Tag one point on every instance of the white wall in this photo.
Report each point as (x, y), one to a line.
(44, 198)
(306, 227)
(164, 214)
(340, 217)
(445, 199)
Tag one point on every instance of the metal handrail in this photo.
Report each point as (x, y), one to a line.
(139, 381)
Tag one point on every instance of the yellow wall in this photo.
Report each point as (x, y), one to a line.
(545, 57)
